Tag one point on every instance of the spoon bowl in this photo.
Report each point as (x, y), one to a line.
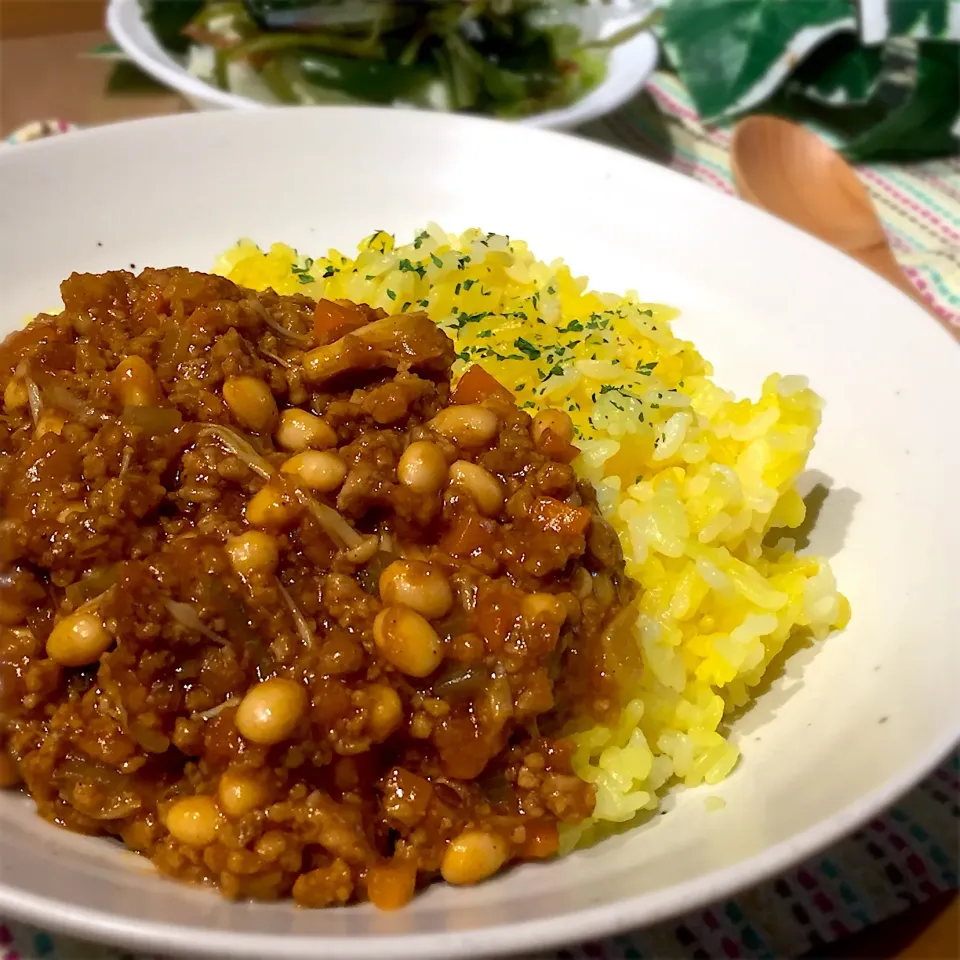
(790, 172)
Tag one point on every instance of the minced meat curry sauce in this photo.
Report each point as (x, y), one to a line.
(280, 610)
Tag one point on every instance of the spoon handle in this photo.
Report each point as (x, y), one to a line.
(881, 261)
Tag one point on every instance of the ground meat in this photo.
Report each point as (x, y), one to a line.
(278, 611)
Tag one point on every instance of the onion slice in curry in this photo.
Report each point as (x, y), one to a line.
(234, 443)
(299, 620)
(187, 617)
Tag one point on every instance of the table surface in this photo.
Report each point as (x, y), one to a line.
(44, 77)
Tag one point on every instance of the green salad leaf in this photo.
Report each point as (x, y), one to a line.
(378, 81)
(489, 56)
(169, 18)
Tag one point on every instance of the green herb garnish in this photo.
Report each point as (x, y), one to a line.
(527, 348)
(407, 267)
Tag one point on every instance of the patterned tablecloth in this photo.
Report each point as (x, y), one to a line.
(899, 859)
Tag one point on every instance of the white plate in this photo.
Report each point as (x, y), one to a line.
(628, 68)
(852, 724)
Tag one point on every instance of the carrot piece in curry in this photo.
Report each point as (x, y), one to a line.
(560, 517)
(477, 385)
(332, 320)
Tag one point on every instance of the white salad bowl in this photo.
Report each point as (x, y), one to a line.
(629, 66)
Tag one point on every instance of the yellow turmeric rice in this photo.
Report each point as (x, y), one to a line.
(692, 479)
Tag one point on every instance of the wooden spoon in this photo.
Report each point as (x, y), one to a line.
(790, 172)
